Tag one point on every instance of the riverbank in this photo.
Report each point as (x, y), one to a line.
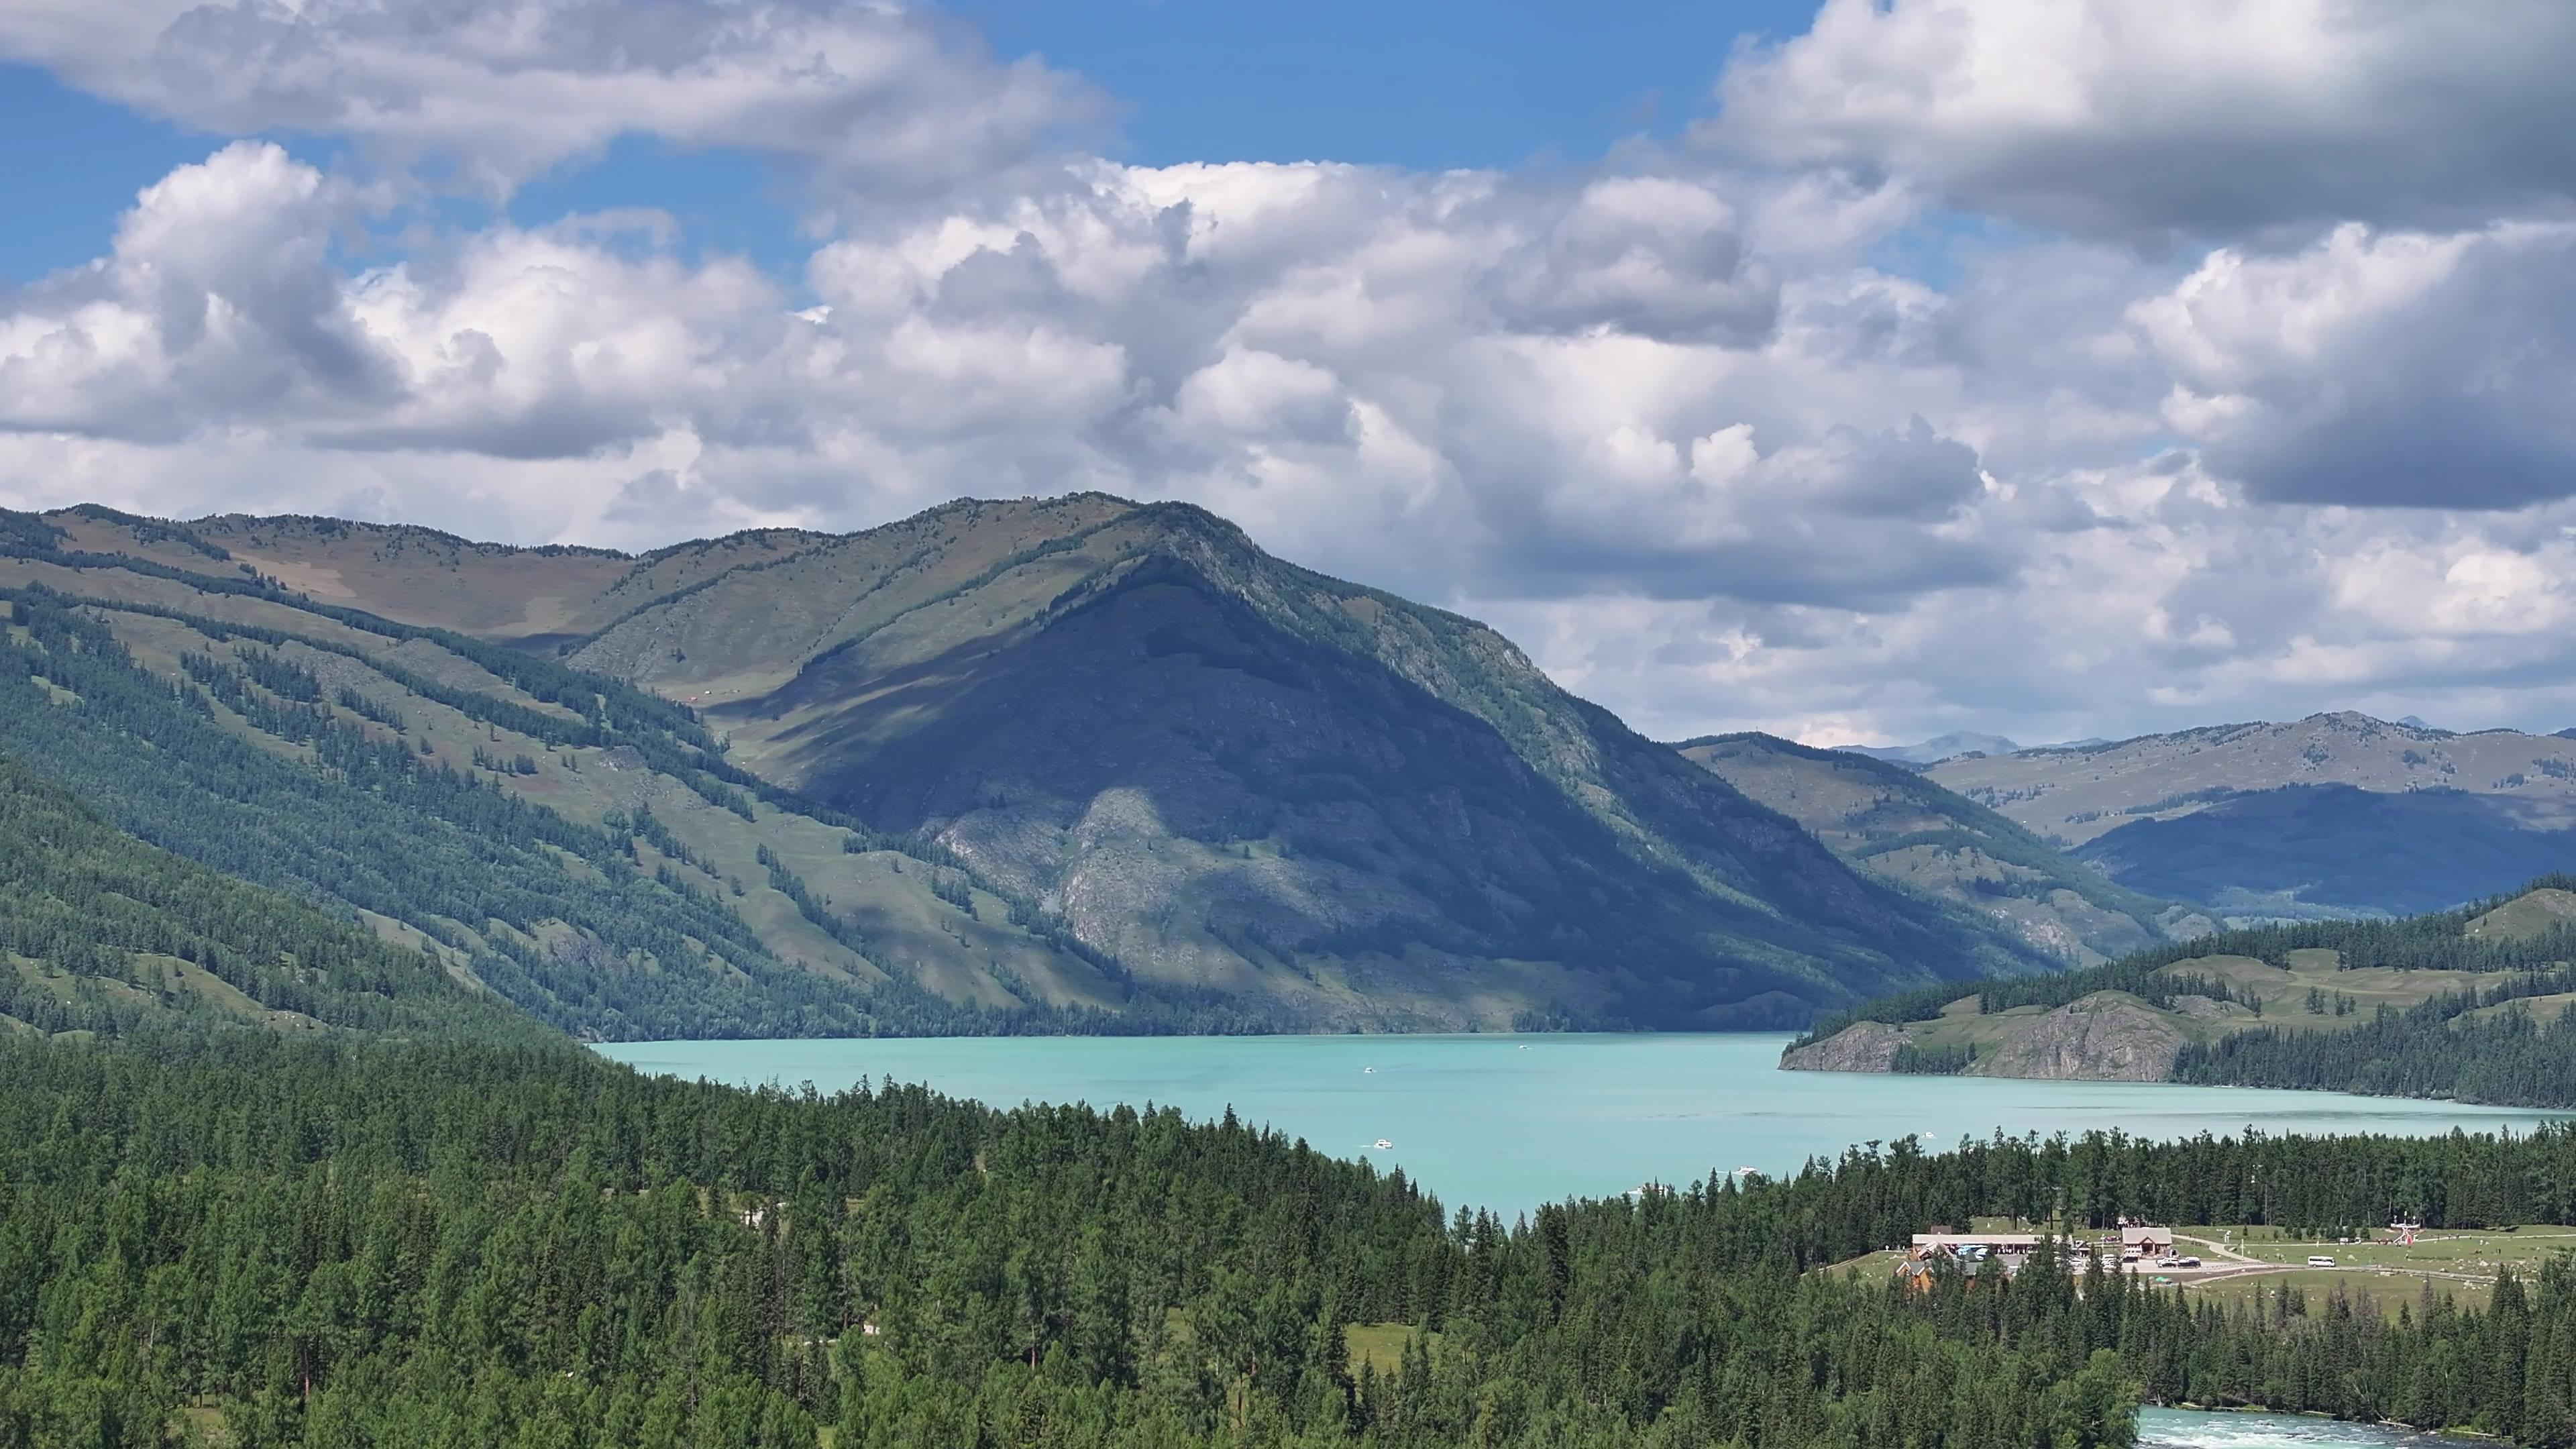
(2180, 1428)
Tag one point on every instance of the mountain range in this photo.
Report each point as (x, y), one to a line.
(1063, 765)
(1081, 764)
(2333, 815)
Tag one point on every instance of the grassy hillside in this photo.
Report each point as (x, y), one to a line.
(531, 597)
(1892, 821)
(103, 935)
(2333, 815)
(2464, 1004)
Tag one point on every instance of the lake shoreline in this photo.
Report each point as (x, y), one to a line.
(1511, 1121)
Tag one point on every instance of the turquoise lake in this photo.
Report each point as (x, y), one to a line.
(1509, 1122)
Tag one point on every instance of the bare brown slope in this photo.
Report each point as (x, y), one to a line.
(424, 577)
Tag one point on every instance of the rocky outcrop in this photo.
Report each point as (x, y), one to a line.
(2208, 1008)
(2109, 1036)
(1867, 1046)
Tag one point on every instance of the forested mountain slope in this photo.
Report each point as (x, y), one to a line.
(1891, 821)
(1056, 764)
(103, 935)
(2335, 814)
(2469, 1005)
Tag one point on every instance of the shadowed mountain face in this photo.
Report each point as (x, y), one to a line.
(2336, 846)
(2335, 814)
(1232, 773)
(1140, 760)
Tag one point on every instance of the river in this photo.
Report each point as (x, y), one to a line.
(2182, 1429)
(1509, 1122)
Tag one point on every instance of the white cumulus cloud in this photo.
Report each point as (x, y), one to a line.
(217, 305)
(2411, 369)
(2193, 117)
(503, 90)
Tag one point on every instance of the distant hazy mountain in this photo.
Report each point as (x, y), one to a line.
(1940, 747)
(1003, 766)
(2336, 814)
(1955, 744)
(1892, 821)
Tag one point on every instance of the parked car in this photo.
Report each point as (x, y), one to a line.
(2186, 1261)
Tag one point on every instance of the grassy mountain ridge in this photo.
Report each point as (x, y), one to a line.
(1047, 756)
(1888, 818)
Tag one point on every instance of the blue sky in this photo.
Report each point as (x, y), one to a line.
(1428, 86)
(93, 156)
(2049, 368)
